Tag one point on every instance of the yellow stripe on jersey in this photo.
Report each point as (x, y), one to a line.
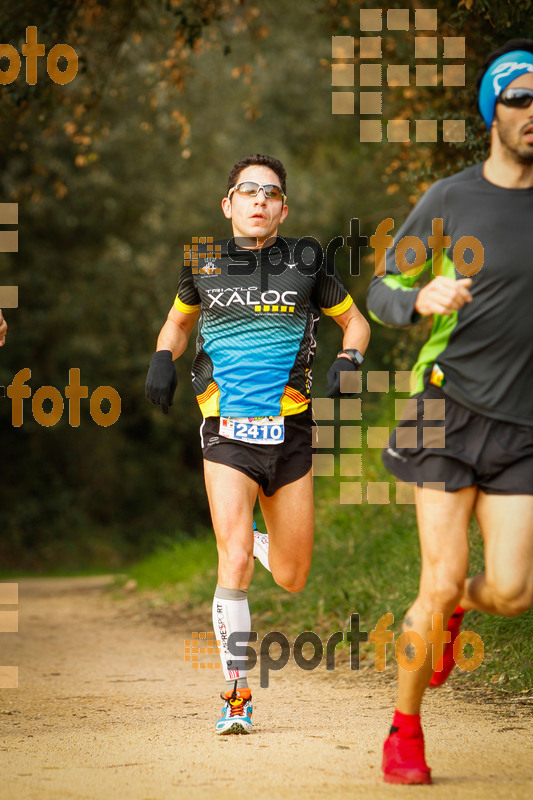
(292, 402)
(209, 401)
(181, 306)
(340, 308)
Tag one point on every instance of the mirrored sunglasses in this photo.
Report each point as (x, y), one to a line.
(251, 189)
(516, 98)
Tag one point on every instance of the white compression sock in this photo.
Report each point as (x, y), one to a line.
(231, 614)
(261, 548)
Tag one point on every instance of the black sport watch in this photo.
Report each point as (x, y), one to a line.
(354, 355)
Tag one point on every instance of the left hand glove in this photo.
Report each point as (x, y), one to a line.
(340, 364)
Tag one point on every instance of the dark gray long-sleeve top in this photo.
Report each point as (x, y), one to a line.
(483, 351)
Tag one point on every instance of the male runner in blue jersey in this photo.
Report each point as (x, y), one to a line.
(258, 301)
(478, 365)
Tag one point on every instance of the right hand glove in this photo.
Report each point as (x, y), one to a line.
(161, 380)
(340, 364)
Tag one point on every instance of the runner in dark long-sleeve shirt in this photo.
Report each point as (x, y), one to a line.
(472, 439)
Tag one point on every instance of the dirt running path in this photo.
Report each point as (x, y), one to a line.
(107, 709)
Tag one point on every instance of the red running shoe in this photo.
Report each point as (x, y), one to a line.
(447, 663)
(403, 758)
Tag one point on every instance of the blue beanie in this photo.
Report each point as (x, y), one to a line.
(499, 75)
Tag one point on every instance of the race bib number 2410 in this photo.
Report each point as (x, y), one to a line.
(260, 430)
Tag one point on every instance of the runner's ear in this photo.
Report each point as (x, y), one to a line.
(226, 207)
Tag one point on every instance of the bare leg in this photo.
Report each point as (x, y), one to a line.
(232, 496)
(506, 586)
(289, 517)
(443, 519)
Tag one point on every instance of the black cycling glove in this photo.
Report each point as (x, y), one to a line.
(161, 380)
(334, 376)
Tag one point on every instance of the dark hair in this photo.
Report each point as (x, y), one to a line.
(261, 161)
(508, 47)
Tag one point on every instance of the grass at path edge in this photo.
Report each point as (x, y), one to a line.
(365, 560)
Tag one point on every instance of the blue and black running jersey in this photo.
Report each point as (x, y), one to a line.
(259, 313)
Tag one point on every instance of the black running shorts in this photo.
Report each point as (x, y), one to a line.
(270, 465)
(462, 449)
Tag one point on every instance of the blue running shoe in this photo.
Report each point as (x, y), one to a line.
(236, 714)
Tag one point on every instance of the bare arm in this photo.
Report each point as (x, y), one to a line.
(162, 380)
(356, 335)
(3, 329)
(175, 333)
(356, 330)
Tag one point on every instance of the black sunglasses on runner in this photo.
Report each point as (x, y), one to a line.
(251, 188)
(516, 98)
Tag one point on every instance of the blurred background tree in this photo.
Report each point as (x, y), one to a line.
(117, 170)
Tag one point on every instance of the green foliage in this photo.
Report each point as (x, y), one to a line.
(114, 173)
(366, 561)
(177, 566)
(92, 168)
